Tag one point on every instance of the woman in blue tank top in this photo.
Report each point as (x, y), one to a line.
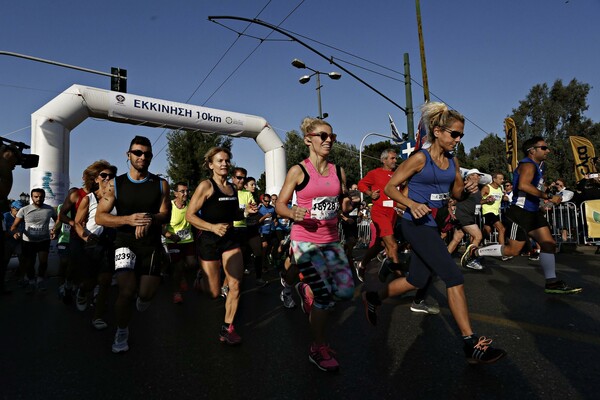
(433, 175)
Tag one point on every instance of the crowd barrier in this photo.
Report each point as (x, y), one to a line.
(568, 224)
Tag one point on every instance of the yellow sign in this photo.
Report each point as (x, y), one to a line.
(583, 152)
(592, 218)
(511, 144)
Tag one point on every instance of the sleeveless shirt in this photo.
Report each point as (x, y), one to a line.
(524, 200)
(220, 207)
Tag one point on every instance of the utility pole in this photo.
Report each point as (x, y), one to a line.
(422, 50)
(410, 123)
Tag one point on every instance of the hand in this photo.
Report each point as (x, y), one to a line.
(298, 213)
(375, 194)
(141, 231)
(556, 199)
(17, 235)
(92, 239)
(470, 186)
(419, 210)
(52, 234)
(140, 219)
(220, 229)
(251, 208)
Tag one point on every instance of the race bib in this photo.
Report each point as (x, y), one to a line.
(185, 234)
(66, 228)
(388, 203)
(38, 231)
(324, 208)
(124, 258)
(439, 196)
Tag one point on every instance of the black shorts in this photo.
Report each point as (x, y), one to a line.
(32, 248)
(350, 230)
(179, 251)
(211, 246)
(522, 222)
(99, 259)
(466, 219)
(490, 219)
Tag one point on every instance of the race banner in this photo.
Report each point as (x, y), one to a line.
(511, 144)
(584, 155)
(592, 218)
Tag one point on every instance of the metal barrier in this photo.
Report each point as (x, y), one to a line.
(564, 223)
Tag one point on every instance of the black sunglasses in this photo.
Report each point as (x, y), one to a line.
(139, 153)
(240, 177)
(324, 135)
(105, 175)
(543, 148)
(182, 191)
(454, 134)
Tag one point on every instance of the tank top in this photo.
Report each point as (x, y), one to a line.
(524, 200)
(143, 196)
(91, 226)
(220, 207)
(320, 196)
(493, 208)
(179, 225)
(431, 186)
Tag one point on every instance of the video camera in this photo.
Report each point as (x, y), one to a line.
(24, 160)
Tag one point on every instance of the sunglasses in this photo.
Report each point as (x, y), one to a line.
(454, 134)
(183, 191)
(543, 148)
(106, 175)
(324, 135)
(139, 153)
(240, 177)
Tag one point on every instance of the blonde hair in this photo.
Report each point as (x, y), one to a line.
(91, 173)
(309, 124)
(436, 114)
(213, 151)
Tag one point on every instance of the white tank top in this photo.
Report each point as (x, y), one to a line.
(91, 226)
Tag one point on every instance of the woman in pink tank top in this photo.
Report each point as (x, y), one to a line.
(316, 251)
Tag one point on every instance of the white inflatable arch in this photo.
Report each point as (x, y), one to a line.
(52, 124)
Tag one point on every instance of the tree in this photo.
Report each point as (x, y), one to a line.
(485, 156)
(185, 155)
(555, 113)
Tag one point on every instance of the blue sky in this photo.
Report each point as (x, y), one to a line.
(482, 59)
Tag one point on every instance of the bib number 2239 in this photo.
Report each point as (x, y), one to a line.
(124, 258)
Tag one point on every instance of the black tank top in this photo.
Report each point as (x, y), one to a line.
(136, 197)
(220, 207)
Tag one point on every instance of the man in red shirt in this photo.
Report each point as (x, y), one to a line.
(383, 213)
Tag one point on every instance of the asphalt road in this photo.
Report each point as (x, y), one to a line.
(50, 351)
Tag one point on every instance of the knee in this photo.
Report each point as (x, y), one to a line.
(234, 287)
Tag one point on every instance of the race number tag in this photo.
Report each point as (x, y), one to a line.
(388, 203)
(324, 208)
(66, 228)
(124, 258)
(439, 196)
(38, 232)
(185, 234)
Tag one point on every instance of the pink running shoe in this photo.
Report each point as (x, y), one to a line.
(229, 336)
(322, 356)
(306, 297)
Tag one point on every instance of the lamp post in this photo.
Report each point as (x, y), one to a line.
(304, 79)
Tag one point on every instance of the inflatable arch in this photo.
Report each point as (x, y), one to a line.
(52, 124)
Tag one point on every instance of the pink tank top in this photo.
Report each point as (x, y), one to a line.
(320, 198)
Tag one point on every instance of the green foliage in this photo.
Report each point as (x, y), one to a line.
(488, 156)
(185, 155)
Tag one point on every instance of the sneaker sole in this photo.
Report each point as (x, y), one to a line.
(555, 291)
(334, 369)
(122, 350)
(419, 310)
(474, 361)
(464, 256)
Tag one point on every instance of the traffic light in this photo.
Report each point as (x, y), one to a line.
(118, 83)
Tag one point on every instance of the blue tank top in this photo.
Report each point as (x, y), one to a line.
(524, 200)
(431, 186)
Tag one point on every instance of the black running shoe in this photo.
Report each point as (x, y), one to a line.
(371, 302)
(560, 287)
(479, 351)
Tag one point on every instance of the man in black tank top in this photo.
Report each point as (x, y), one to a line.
(142, 203)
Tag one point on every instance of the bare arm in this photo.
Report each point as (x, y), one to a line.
(81, 218)
(294, 178)
(203, 192)
(346, 205)
(105, 218)
(526, 174)
(67, 205)
(402, 174)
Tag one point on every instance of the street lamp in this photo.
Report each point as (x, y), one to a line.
(304, 79)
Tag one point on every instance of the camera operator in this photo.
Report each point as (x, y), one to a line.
(8, 161)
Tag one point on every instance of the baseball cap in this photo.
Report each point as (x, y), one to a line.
(16, 204)
(473, 171)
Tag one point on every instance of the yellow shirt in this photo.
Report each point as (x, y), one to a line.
(244, 197)
(179, 225)
(495, 206)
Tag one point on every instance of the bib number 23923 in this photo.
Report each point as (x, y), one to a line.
(124, 258)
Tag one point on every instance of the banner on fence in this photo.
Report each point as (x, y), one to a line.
(592, 218)
(511, 144)
(584, 154)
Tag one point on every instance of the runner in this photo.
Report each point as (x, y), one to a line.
(316, 248)
(142, 202)
(526, 218)
(433, 175)
(217, 201)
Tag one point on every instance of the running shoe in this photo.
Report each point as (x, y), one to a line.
(224, 291)
(229, 336)
(560, 287)
(360, 270)
(177, 298)
(479, 351)
(467, 256)
(384, 270)
(371, 302)
(322, 356)
(81, 300)
(474, 264)
(142, 305)
(99, 324)
(306, 297)
(120, 344)
(287, 299)
(422, 307)
(535, 256)
(506, 258)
